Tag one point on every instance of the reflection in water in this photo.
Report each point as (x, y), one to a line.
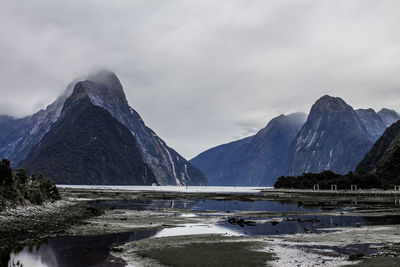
(94, 250)
(205, 205)
(75, 250)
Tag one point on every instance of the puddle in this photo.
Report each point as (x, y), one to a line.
(197, 229)
(94, 250)
(73, 251)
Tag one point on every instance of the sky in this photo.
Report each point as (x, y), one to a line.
(203, 73)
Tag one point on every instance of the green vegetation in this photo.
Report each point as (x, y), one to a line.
(89, 146)
(210, 254)
(327, 178)
(198, 250)
(18, 187)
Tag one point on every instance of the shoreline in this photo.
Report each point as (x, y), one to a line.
(28, 224)
(78, 215)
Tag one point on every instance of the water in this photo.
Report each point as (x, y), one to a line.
(169, 188)
(206, 205)
(94, 250)
(74, 250)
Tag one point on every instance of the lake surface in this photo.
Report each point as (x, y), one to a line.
(170, 188)
(206, 205)
(94, 250)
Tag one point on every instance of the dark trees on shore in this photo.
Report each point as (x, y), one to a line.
(17, 187)
(327, 178)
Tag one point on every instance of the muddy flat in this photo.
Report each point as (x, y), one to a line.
(236, 228)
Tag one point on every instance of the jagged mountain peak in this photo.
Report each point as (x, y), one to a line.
(328, 138)
(367, 110)
(104, 89)
(388, 116)
(330, 103)
(106, 77)
(387, 111)
(78, 97)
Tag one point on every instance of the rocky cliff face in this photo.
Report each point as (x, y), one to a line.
(104, 90)
(18, 136)
(170, 168)
(335, 137)
(376, 122)
(87, 145)
(256, 160)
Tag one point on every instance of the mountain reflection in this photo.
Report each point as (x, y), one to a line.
(72, 251)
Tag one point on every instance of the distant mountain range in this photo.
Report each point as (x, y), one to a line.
(255, 160)
(90, 135)
(333, 137)
(41, 138)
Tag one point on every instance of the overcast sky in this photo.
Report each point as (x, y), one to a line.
(202, 73)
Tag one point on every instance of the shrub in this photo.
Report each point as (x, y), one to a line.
(18, 186)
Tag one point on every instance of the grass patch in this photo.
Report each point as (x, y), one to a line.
(210, 254)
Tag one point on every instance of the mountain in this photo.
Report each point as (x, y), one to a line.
(256, 160)
(383, 159)
(19, 136)
(376, 122)
(105, 90)
(87, 145)
(335, 137)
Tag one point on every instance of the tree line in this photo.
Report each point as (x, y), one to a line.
(19, 187)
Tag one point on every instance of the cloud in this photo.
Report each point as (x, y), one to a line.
(202, 73)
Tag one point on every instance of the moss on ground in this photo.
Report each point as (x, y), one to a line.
(199, 250)
(210, 254)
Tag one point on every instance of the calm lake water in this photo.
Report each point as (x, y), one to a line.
(94, 250)
(206, 205)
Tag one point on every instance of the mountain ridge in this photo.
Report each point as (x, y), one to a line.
(255, 160)
(106, 91)
(335, 137)
(87, 145)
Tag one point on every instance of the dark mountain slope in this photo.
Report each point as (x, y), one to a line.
(88, 146)
(18, 136)
(255, 160)
(170, 168)
(383, 159)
